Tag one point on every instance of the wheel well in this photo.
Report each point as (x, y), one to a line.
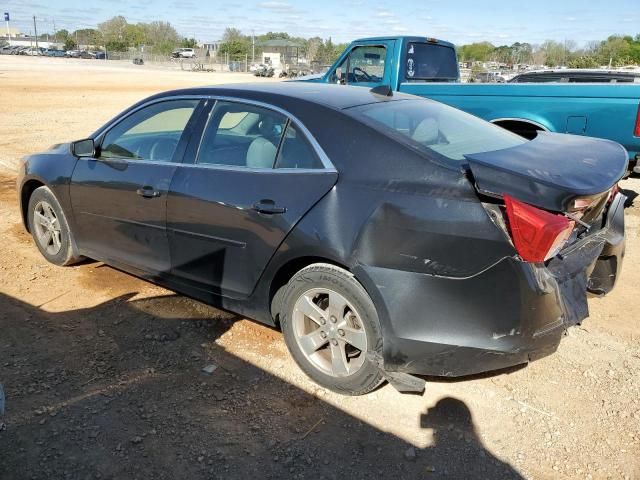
(27, 189)
(284, 274)
(523, 128)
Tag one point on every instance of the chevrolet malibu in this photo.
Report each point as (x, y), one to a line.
(388, 236)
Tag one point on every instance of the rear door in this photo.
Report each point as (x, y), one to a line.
(119, 198)
(254, 175)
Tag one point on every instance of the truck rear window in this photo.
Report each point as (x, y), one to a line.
(431, 62)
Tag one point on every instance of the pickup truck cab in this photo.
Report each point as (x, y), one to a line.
(429, 68)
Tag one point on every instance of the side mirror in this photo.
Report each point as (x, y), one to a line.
(339, 76)
(83, 148)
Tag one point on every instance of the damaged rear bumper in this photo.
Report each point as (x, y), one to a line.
(510, 314)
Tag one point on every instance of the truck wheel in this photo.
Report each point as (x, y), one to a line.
(50, 229)
(329, 324)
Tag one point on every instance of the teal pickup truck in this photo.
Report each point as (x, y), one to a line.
(429, 68)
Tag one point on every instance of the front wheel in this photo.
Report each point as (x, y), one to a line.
(329, 324)
(50, 229)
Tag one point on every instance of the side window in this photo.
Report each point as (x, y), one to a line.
(364, 64)
(296, 152)
(241, 135)
(151, 133)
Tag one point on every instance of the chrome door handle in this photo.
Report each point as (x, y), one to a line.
(148, 192)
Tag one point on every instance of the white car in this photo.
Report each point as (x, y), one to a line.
(184, 53)
(32, 51)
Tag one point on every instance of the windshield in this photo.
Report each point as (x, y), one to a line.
(436, 127)
(430, 61)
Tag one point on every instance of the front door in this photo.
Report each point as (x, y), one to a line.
(254, 177)
(366, 65)
(119, 198)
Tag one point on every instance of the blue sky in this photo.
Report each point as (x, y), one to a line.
(460, 21)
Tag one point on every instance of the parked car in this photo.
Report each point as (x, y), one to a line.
(385, 235)
(53, 52)
(87, 54)
(5, 49)
(73, 53)
(100, 55)
(184, 53)
(577, 75)
(33, 51)
(429, 67)
(487, 77)
(22, 50)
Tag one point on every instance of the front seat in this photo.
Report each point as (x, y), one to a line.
(262, 151)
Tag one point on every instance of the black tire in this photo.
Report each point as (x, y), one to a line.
(66, 254)
(322, 275)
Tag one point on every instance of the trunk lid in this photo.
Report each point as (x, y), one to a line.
(551, 170)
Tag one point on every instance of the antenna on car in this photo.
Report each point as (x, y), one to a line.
(384, 90)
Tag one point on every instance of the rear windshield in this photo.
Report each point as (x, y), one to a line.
(430, 61)
(436, 127)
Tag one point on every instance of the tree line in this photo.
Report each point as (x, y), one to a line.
(237, 44)
(116, 34)
(615, 51)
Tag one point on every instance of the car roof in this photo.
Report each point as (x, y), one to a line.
(337, 97)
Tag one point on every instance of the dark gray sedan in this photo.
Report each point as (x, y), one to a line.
(386, 236)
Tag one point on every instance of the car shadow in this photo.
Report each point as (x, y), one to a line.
(118, 391)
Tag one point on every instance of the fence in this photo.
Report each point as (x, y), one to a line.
(204, 60)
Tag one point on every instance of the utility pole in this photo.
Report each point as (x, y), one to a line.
(253, 47)
(35, 29)
(55, 32)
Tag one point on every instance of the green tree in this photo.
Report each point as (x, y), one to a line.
(134, 35)
(70, 43)
(89, 37)
(161, 36)
(476, 52)
(189, 43)
(584, 61)
(615, 50)
(61, 35)
(114, 33)
(235, 47)
(235, 43)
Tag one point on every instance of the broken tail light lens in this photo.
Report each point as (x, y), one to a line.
(538, 235)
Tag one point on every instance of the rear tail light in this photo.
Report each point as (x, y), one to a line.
(538, 235)
(636, 131)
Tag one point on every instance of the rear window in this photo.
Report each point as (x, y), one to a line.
(436, 127)
(430, 61)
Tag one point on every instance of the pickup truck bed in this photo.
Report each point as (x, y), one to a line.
(581, 109)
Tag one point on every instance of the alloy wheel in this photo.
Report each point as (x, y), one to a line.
(329, 332)
(47, 228)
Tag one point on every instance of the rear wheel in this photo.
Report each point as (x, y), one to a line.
(50, 229)
(329, 324)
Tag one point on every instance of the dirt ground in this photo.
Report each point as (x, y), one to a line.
(103, 372)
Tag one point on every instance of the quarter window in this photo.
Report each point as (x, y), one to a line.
(295, 151)
(151, 133)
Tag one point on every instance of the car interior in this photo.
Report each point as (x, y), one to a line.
(254, 140)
